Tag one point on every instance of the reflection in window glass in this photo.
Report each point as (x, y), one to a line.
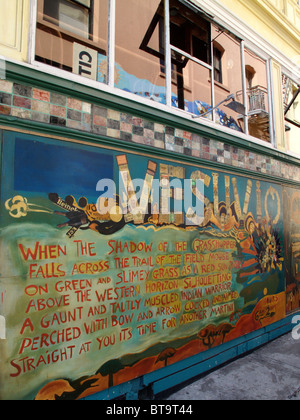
(200, 49)
(72, 35)
(190, 52)
(190, 88)
(218, 75)
(228, 78)
(205, 69)
(257, 96)
(68, 15)
(139, 52)
(189, 32)
(291, 103)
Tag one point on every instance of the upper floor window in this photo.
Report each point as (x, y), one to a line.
(73, 16)
(195, 65)
(250, 73)
(69, 32)
(218, 65)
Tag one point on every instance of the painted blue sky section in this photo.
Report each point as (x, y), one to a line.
(44, 167)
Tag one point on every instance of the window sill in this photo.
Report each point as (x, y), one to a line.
(220, 85)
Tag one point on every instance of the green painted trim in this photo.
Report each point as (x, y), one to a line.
(43, 80)
(83, 136)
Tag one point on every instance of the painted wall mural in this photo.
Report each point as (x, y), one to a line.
(100, 285)
(291, 209)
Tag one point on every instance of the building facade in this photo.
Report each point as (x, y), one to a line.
(150, 190)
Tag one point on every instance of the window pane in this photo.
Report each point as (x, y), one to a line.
(257, 96)
(68, 15)
(291, 103)
(191, 89)
(73, 36)
(189, 31)
(140, 48)
(228, 79)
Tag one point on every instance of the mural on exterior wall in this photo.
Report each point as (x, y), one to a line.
(291, 211)
(97, 291)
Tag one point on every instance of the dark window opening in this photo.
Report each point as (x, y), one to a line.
(218, 65)
(201, 49)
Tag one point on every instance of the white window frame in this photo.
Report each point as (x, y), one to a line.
(111, 43)
(249, 39)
